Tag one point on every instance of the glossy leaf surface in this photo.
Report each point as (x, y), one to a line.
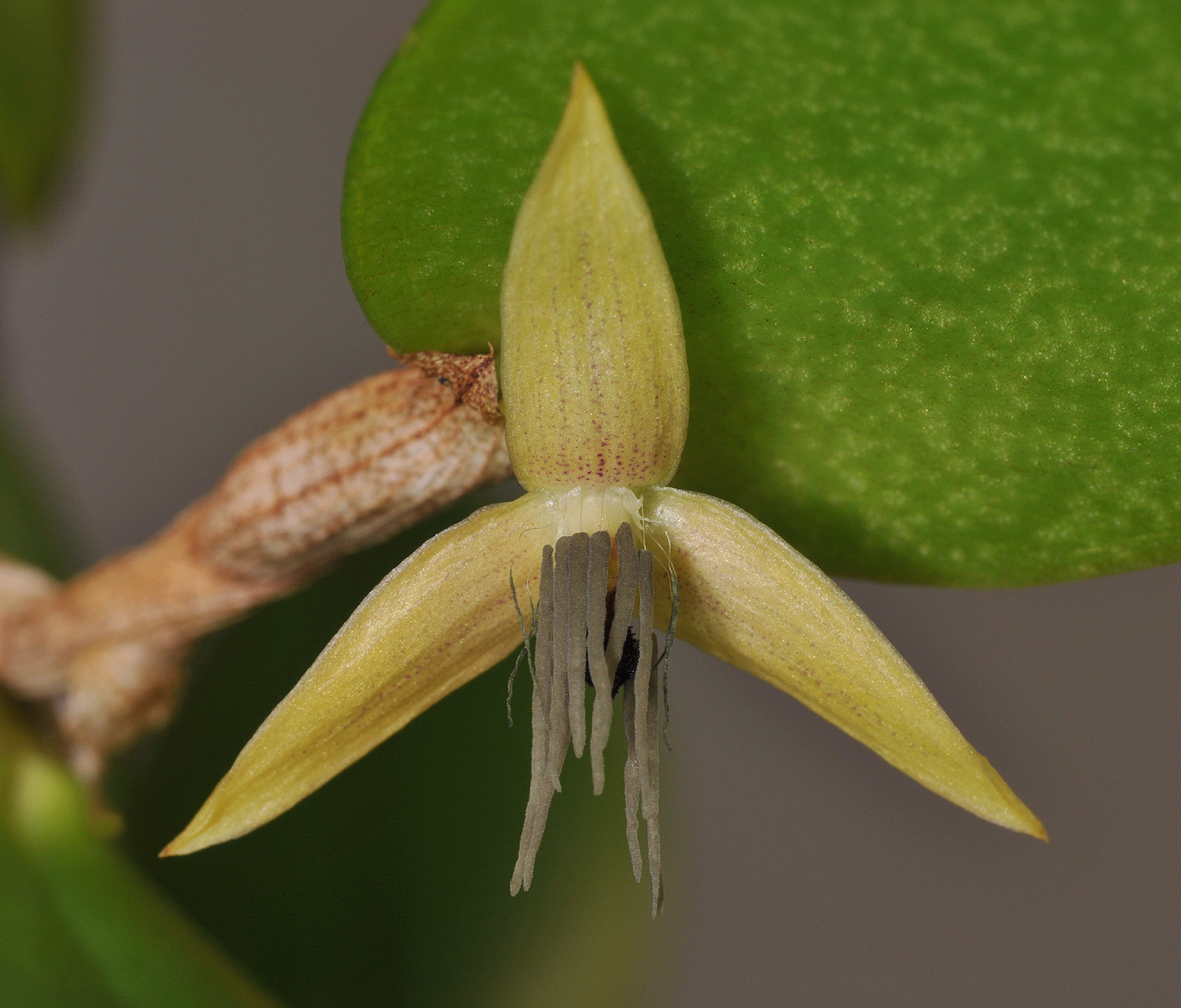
(927, 254)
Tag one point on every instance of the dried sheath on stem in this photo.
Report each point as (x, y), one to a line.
(108, 647)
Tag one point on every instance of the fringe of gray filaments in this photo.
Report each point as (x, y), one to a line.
(570, 624)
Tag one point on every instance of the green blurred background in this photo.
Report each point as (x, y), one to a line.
(188, 293)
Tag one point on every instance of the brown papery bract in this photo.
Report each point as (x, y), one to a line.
(108, 647)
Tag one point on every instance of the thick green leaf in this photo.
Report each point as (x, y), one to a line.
(41, 962)
(390, 885)
(146, 953)
(40, 57)
(928, 254)
(78, 927)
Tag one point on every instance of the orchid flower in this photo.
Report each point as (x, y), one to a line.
(598, 555)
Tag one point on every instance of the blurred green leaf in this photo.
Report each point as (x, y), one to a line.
(78, 927)
(28, 530)
(146, 953)
(390, 884)
(928, 254)
(41, 962)
(40, 57)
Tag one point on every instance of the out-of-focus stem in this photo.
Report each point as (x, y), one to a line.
(108, 647)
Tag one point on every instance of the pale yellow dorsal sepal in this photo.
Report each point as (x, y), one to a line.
(442, 617)
(593, 376)
(750, 599)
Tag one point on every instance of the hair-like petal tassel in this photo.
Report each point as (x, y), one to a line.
(541, 791)
(601, 679)
(573, 598)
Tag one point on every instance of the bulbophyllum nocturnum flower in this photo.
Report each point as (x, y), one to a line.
(598, 555)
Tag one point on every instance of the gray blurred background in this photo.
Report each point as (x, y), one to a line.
(190, 294)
